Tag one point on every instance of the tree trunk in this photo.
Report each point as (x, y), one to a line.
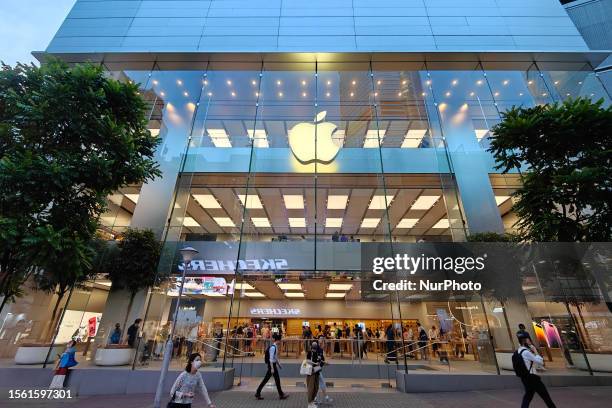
(507, 324)
(49, 327)
(129, 309)
(587, 339)
(4, 301)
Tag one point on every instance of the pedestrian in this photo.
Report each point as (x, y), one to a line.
(390, 341)
(183, 389)
(132, 333)
(312, 379)
(433, 335)
(115, 337)
(422, 336)
(271, 359)
(525, 361)
(325, 398)
(66, 361)
(522, 333)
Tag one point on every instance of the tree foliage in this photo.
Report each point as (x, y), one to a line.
(69, 136)
(567, 150)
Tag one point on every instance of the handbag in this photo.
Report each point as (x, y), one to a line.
(172, 404)
(58, 379)
(306, 368)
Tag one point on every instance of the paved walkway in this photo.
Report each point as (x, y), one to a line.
(583, 397)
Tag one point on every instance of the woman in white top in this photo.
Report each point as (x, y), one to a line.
(184, 387)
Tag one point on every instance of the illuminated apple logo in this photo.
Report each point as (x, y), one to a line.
(302, 139)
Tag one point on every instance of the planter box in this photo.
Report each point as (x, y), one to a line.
(601, 362)
(114, 356)
(36, 353)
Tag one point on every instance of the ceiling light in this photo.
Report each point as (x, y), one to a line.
(250, 200)
(501, 199)
(423, 94)
(185, 93)
(206, 200)
(380, 202)
(442, 224)
(354, 82)
(328, 82)
(447, 94)
(506, 82)
(407, 223)
(372, 138)
(455, 82)
(338, 137)
(254, 294)
(428, 82)
(556, 82)
(481, 133)
(190, 222)
(297, 222)
(233, 93)
(259, 138)
(424, 202)
(304, 94)
(340, 286)
(219, 137)
(337, 202)
(472, 94)
(209, 94)
(479, 82)
(520, 94)
(352, 94)
(399, 94)
(370, 222)
(544, 94)
(279, 83)
(378, 82)
(205, 82)
(178, 81)
(530, 82)
(580, 83)
(133, 197)
(294, 294)
(294, 202)
(413, 138)
(254, 82)
(261, 222)
(333, 222)
(303, 83)
(337, 295)
(243, 285)
(155, 82)
(496, 94)
(280, 94)
(229, 82)
(404, 82)
(327, 94)
(162, 93)
(290, 286)
(224, 221)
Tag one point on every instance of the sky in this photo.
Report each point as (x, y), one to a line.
(29, 25)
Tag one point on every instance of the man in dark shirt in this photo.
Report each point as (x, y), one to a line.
(132, 332)
(522, 333)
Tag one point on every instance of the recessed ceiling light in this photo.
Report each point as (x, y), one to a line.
(206, 200)
(442, 224)
(254, 294)
(250, 200)
(374, 138)
(380, 202)
(133, 197)
(219, 137)
(556, 82)
(506, 82)
(413, 138)
(155, 82)
(259, 138)
(205, 82)
(279, 83)
(496, 94)
(378, 82)
(254, 82)
(424, 202)
(224, 221)
(340, 286)
(404, 82)
(328, 82)
(233, 93)
(481, 133)
(447, 94)
(243, 285)
(185, 93)
(530, 82)
(297, 222)
(304, 94)
(407, 223)
(294, 294)
(303, 83)
(399, 94)
(370, 222)
(280, 94)
(178, 81)
(479, 82)
(428, 82)
(337, 202)
(333, 222)
(335, 295)
(261, 222)
(190, 222)
(354, 82)
(290, 286)
(294, 201)
(327, 94)
(501, 199)
(352, 94)
(455, 82)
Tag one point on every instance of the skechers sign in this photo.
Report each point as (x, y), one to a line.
(225, 266)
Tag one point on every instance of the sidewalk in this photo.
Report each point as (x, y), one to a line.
(583, 397)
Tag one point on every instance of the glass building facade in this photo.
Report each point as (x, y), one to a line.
(281, 169)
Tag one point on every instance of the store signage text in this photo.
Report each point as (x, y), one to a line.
(272, 311)
(230, 266)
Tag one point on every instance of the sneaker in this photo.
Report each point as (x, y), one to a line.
(259, 397)
(328, 399)
(284, 396)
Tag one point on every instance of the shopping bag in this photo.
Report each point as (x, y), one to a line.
(305, 368)
(57, 382)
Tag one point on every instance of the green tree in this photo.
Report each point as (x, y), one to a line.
(567, 150)
(133, 265)
(69, 136)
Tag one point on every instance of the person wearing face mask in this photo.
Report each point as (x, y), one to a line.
(184, 387)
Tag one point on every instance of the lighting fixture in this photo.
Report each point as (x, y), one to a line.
(378, 82)
(327, 94)
(479, 82)
(233, 93)
(370, 222)
(333, 222)
(340, 286)
(338, 137)
(407, 223)
(556, 82)
(229, 82)
(328, 82)
(294, 201)
(424, 202)
(254, 294)
(206, 200)
(294, 294)
(413, 138)
(259, 138)
(506, 82)
(185, 93)
(243, 285)
(372, 138)
(337, 202)
(219, 137)
(224, 221)
(304, 94)
(178, 81)
(481, 133)
(303, 83)
(254, 82)
(455, 82)
(530, 82)
(442, 224)
(290, 286)
(190, 222)
(404, 82)
(447, 94)
(261, 222)
(133, 197)
(336, 295)
(380, 202)
(297, 222)
(279, 83)
(496, 94)
(354, 82)
(499, 200)
(155, 82)
(280, 94)
(250, 200)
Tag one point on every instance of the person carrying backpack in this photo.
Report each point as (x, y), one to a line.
(525, 360)
(271, 359)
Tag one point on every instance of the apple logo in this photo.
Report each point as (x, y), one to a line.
(302, 141)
